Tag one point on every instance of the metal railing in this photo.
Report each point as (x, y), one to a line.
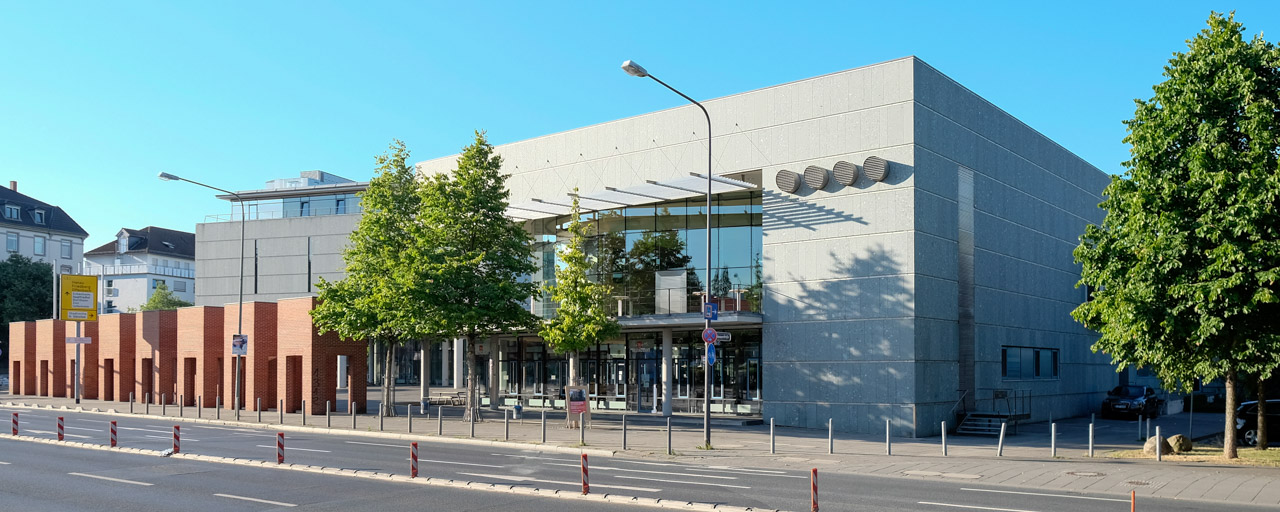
(280, 214)
(140, 268)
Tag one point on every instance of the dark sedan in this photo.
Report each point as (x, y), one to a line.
(1247, 423)
(1131, 401)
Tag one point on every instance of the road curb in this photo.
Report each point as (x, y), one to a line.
(594, 452)
(377, 475)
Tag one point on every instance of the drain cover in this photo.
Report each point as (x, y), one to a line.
(1090, 474)
(1138, 483)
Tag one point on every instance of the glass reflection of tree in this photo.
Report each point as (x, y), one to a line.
(654, 251)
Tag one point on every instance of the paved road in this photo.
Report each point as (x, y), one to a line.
(39, 477)
(741, 486)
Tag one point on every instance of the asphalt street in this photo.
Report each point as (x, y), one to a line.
(786, 489)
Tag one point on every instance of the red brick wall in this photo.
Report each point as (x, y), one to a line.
(318, 356)
(157, 340)
(88, 359)
(117, 341)
(22, 358)
(260, 325)
(200, 336)
(51, 358)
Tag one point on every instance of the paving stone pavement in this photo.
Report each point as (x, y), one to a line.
(1026, 461)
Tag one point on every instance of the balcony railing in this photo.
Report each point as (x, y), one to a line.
(139, 268)
(279, 214)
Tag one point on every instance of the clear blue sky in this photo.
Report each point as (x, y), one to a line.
(97, 97)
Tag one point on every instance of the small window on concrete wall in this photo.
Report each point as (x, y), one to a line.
(1028, 363)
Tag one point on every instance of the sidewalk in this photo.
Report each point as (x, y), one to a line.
(971, 460)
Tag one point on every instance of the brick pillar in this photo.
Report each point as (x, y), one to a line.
(51, 351)
(357, 379)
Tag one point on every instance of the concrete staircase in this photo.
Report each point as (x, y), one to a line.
(982, 424)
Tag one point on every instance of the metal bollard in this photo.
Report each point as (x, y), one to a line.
(409, 412)
(304, 413)
(60, 428)
(1148, 428)
(669, 452)
(472, 413)
(772, 446)
(113, 433)
(440, 421)
(582, 428)
(328, 414)
(831, 437)
(944, 439)
(217, 407)
(279, 447)
(1053, 439)
(1140, 438)
(544, 426)
(352, 406)
(280, 410)
(164, 405)
(259, 408)
(182, 404)
(177, 439)
(1091, 439)
(624, 432)
(130, 402)
(146, 408)
(200, 406)
(586, 485)
(235, 404)
(506, 424)
(413, 459)
(888, 447)
(382, 409)
(1159, 455)
(1000, 444)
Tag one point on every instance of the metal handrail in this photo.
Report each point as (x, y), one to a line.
(959, 402)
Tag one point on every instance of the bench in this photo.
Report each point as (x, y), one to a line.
(456, 399)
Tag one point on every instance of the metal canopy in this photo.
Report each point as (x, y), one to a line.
(694, 185)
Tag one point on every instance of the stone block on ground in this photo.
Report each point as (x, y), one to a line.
(1180, 443)
(1149, 447)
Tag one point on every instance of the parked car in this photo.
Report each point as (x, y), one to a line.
(1131, 401)
(1247, 423)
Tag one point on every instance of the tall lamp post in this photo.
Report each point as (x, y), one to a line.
(235, 400)
(634, 69)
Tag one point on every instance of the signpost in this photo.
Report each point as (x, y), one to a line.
(79, 302)
(239, 347)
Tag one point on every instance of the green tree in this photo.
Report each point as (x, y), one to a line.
(473, 262)
(1184, 266)
(582, 318)
(375, 300)
(26, 294)
(162, 298)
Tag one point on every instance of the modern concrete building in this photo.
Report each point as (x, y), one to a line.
(887, 245)
(137, 262)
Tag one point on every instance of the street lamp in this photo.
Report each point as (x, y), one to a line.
(634, 69)
(235, 400)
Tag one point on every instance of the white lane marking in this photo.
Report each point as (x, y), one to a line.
(730, 468)
(571, 484)
(534, 457)
(298, 449)
(682, 482)
(2, 463)
(751, 472)
(50, 432)
(109, 479)
(185, 439)
(1047, 495)
(608, 468)
(170, 431)
(973, 507)
(82, 428)
(246, 498)
(376, 444)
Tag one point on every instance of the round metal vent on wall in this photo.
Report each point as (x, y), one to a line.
(788, 181)
(876, 168)
(846, 173)
(815, 177)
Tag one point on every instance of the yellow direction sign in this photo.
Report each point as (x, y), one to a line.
(79, 298)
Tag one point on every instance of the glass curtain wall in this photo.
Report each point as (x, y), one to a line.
(653, 256)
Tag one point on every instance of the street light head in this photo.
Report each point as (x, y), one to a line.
(168, 177)
(634, 69)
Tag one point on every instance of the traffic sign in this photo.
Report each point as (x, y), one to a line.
(711, 311)
(723, 337)
(709, 335)
(79, 298)
(711, 354)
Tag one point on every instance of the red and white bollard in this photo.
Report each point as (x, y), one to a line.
(813, 489)
(279, 447)
(177, 439)
(113, 434)
(15, 423)
(586, 482)
(413, 460)
(60, 430)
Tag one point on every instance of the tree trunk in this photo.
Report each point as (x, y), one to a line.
(388, 382)
(1229, 433)
(473, 384)
(1262, 414)
(575, 376)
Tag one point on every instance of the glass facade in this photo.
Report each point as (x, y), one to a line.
(653, 256)
(305, 206)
